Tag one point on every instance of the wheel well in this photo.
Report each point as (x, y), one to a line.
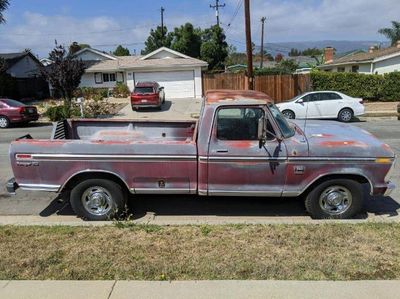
(80, 177)
(352, 111)
(355, 177)
(290, 111)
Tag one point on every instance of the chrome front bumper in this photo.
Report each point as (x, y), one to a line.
(390, 187)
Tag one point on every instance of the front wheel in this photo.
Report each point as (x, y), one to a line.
(335, 199)
(98, 199)
(345, 115)
(289, 114)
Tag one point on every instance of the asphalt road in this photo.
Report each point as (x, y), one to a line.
(46, 204)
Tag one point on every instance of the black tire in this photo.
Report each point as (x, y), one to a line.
(345, 115)
(111, 193)
(289, 114)
(4, 122)
(315, 200)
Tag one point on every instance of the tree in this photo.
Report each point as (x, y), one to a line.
(157, 39)
(312, 52)
(3, 6)
(392, 33)
(64, 74)
(121, 51)
(288, 65)
(278, 57)
(294, 52)
(214, 48)
(187, 40)
(75, 47)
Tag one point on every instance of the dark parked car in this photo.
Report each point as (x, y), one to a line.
(147, 94)
(12, 111)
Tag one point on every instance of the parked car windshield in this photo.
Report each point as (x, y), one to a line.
(13, 103)
(142, 90)
(286, 129)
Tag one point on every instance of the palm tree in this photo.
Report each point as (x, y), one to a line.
(3, 5)
(392, 33)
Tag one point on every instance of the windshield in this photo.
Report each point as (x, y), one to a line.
(12, 103)
(143, 90)
(297, 97)
(286, 129)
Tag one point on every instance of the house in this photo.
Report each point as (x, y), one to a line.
(375, 61)
(24, 68)
(179, 74)
(22, 64)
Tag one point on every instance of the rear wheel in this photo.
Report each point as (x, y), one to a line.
(289, 114)
(4, 122)
(345, 115)
(98, 199)
(335, 199)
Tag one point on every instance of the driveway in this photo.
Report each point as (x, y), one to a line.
(176, 109)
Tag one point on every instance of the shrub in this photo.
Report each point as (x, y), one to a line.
(121, 90)
(57, 113)
(94, 109)
(391, 87)
(352, 84)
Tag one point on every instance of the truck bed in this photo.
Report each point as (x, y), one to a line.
(129, 131)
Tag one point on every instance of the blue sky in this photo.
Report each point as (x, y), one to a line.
(35, 24)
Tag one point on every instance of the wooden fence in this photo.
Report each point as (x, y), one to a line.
(279, 87)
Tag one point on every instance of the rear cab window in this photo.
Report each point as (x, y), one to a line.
(238, 123)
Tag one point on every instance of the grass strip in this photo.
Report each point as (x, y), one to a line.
(149, 252)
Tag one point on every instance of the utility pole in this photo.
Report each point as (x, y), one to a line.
(248, 45)
(162, 24)
(262, 41)
(216, 7)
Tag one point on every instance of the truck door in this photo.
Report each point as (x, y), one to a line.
(236, 163)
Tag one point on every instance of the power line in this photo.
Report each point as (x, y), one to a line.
(238, 7)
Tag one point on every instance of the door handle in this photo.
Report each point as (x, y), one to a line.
(222, 151)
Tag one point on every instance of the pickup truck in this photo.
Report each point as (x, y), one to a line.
(241, 146)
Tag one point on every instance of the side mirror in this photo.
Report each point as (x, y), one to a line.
(300, 101)
(261, 132)
(161, 87)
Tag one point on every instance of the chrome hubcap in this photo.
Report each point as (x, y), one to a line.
(288, 114)
(335, 200)
(3, 122)
(346, 115)
(97, 200)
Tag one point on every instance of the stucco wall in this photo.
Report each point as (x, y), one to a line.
(387, 66)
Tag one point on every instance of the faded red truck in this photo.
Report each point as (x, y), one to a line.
(241, 146)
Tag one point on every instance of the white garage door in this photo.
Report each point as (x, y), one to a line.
(177, 84)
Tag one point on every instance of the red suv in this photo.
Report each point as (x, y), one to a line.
(147, 94)
(12, 111)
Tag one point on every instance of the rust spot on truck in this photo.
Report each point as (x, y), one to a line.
(345, 143)
(222, 95)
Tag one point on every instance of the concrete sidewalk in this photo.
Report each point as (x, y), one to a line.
(199, 289)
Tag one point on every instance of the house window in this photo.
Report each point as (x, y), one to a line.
(98, 78)
(355, 68)
(109, 77)
(341, 69)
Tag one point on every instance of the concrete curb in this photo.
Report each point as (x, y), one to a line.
(199, 289)
(186, 220)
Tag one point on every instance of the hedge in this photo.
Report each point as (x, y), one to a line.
(375, 87)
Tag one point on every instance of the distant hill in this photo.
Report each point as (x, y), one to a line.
(340, 45)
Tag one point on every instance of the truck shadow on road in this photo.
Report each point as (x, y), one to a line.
(185, 205)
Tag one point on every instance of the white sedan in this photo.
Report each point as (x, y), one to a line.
(323, 104)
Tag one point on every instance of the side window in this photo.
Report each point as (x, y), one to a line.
(335, 96)
(238, 123)
(313, 97)
(307, 98)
